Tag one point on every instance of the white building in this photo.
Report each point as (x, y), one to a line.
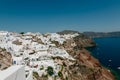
(16, 72)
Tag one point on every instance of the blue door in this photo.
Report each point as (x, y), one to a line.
(14, 62)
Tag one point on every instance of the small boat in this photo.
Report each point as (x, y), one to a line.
(110, 60)
(118, 68)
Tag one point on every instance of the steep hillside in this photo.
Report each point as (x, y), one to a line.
(5, 59)
(86, 65)
(53, 56)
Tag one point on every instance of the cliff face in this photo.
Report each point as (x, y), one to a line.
(5, 59)
(84, 41)
(86, 67)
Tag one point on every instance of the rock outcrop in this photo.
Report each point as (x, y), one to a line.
(5, 59)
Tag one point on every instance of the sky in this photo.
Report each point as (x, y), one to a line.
(57, 15)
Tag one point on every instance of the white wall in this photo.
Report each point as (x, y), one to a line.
(16, 72)
(30, 76)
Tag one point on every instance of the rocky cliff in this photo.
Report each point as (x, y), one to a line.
(86, 67)
(5, 59)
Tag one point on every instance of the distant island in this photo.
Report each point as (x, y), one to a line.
(102, 34)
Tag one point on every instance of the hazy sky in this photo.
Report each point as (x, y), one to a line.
(56, 15)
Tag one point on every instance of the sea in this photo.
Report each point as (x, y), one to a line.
(108, 53)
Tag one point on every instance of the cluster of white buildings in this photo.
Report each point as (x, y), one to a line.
(32, 55)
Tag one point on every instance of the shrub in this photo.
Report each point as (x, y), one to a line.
(42, 67)
(35, 74)
(66, 78)
(22, 33)
(50, 70)
(3, 49)
(60, 74)
(45, 76)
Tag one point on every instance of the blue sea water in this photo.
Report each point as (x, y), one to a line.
(108, 53)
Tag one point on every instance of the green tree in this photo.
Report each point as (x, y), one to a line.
(35, 74)
(22, 33)
(60, 74)
(50, 70)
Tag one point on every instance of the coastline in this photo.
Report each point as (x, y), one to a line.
(115, 73)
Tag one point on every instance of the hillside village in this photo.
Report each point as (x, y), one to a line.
(51, 56)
